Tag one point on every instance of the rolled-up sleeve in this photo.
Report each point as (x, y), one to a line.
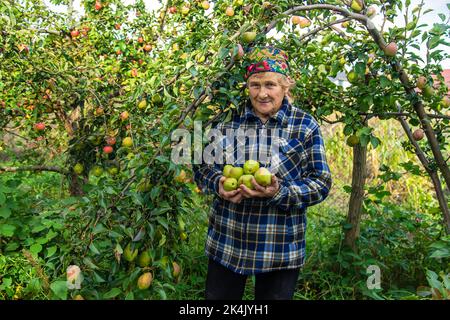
(315, 183)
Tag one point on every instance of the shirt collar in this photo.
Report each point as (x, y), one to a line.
(280, 116)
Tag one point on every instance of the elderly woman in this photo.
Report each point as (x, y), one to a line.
(261, 231)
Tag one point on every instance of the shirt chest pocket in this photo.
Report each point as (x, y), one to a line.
(293, 159)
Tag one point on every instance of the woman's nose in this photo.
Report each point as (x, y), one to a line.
(263, 92)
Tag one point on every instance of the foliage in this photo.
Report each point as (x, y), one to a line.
(130, 75)
(20, 280)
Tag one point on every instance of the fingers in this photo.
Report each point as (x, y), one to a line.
(274, 179)
(257, 186)
(275, 184)
(236, 199)
(249, 193)
(228, 194)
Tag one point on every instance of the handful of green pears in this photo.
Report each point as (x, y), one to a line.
(235, 176)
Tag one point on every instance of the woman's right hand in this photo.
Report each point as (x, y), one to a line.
(234, 196)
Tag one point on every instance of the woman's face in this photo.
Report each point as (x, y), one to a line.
(266, 93)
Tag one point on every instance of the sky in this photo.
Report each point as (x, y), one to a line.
(438, 6)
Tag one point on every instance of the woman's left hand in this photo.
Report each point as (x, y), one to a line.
(260, 191)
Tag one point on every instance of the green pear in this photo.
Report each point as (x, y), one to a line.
(251, 166)
(130, 254)
(78, 168)
(236, 172)
(263, 177)
(145, 281)
(249, 36)
(353, 140)
(230, 184)
(356, 6)
(428, 92)
(246, 180)
(144, 259)
(352, 76)
(227, 169)
(97, 171)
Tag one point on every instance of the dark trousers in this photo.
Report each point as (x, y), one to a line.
(224, 284)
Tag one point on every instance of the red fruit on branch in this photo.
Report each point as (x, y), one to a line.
(391, 49)
(418, 134)
(39, 126)
(74, 33)
(124, 115)
(111, 141)
(108, 149)
(421, 82)
(98, 5)
(147, 47)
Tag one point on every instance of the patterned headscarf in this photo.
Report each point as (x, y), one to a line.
(267, 59)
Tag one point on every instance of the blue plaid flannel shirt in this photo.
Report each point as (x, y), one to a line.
(261, 235)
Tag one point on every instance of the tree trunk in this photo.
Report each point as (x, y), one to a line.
(357, 195)
(441, 199)
(76, 184)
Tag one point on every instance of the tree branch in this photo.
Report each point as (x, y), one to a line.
(401, 114)
(34, 168)
(340, 10)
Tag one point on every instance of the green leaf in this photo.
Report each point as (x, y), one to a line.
(375, 141)
(42, 240)
(348, 130)
(5, 212)
(99, 228)
(51, 251)
(2, 198)
(162, 159)
(434, 42)
(59, 288)
(162, 294)
(433, 281)
(360, 68)
(94, 249)
(162, 221)
(364, 140)
(384, 82)
(114, 292)
(89, 263)
(7, 230)
(130, 296)
(441, 253)
(36, 248)
(98, 278)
